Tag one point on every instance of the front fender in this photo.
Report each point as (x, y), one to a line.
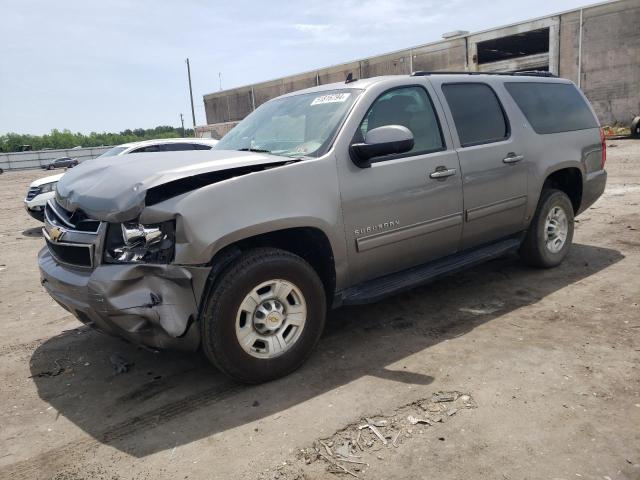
(302, 194)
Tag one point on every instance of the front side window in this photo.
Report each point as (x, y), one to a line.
(476, 112)
(112, 152)
(294, 126)
(150, 148)
(409, 107)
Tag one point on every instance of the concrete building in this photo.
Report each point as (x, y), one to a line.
(597, 46)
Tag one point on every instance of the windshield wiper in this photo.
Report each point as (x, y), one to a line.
(259, 150)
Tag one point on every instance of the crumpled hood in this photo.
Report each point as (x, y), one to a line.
(113, 189)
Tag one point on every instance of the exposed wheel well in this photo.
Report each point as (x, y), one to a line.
(307, 242)
(568, 180)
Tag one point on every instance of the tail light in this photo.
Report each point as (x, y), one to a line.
(603, 143)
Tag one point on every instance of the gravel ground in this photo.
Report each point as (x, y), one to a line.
(549, 358)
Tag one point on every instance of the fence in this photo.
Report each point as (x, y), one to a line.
(25, 160)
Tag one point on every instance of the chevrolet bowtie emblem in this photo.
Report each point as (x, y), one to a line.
(56, 233)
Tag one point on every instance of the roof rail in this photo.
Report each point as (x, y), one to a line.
(526, 73)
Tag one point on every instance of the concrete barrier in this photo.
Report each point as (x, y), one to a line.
(35, 159)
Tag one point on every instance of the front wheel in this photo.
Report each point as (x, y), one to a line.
(550, 234)
(263, 316)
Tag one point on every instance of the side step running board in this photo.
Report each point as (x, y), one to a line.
(379, 288)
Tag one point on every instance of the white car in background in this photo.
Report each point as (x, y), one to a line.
(43, 189)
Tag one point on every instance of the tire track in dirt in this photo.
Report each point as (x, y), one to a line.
(45, 464)
(21, 347)
(32, 345)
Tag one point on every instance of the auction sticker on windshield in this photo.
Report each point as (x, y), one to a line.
(331, 98)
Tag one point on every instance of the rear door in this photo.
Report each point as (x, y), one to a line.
(492, 160)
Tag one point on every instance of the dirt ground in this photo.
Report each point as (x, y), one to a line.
(548, 362)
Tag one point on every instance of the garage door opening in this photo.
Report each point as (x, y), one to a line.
(510, 47)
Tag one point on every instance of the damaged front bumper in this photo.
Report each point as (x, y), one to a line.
(153, 305)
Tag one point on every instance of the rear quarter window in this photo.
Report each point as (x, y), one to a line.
(552, 107)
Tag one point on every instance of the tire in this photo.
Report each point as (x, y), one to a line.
(542, 248)
(50, 167)
(225, 317)
(635, 127)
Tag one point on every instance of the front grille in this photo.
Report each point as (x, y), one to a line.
(72, 254)
(71, 237)
(77, 220)
(33, 193)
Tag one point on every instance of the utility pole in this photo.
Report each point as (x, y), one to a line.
(193, 112)
(220, 79)
(182, 121)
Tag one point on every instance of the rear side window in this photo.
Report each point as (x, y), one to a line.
(552, 107)
(477, 113)
(198, 146)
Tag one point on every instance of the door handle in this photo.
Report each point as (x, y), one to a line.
(513, 158)
(442, 172)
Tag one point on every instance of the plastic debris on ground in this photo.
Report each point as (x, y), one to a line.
(350, 451)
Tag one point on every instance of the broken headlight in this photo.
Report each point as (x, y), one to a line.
(132, 242)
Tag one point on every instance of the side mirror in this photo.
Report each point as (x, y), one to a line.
(385, 140)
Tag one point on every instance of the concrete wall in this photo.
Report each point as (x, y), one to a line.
(216, 131)
(447, 55)
(611, 60)
(610, 63)
(24, 160)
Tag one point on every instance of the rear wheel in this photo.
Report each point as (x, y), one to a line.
(263, 316)
(550, 234)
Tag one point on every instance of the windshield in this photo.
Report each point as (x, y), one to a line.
(112, 152)
(300, 125)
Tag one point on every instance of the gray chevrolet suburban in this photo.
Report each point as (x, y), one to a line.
(339, 194)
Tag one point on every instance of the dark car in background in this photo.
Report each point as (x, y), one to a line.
(62, 162)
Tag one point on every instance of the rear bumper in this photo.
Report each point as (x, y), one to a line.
(592, 188)
(153, 305)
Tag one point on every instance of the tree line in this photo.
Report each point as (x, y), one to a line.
(14, 142)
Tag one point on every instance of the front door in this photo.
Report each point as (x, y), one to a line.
(405, 209)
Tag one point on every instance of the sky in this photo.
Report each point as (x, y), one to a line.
(88, 65)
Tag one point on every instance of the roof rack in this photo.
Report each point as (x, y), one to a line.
(526, 73)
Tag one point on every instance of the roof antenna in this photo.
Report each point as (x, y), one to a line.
(350, 78)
